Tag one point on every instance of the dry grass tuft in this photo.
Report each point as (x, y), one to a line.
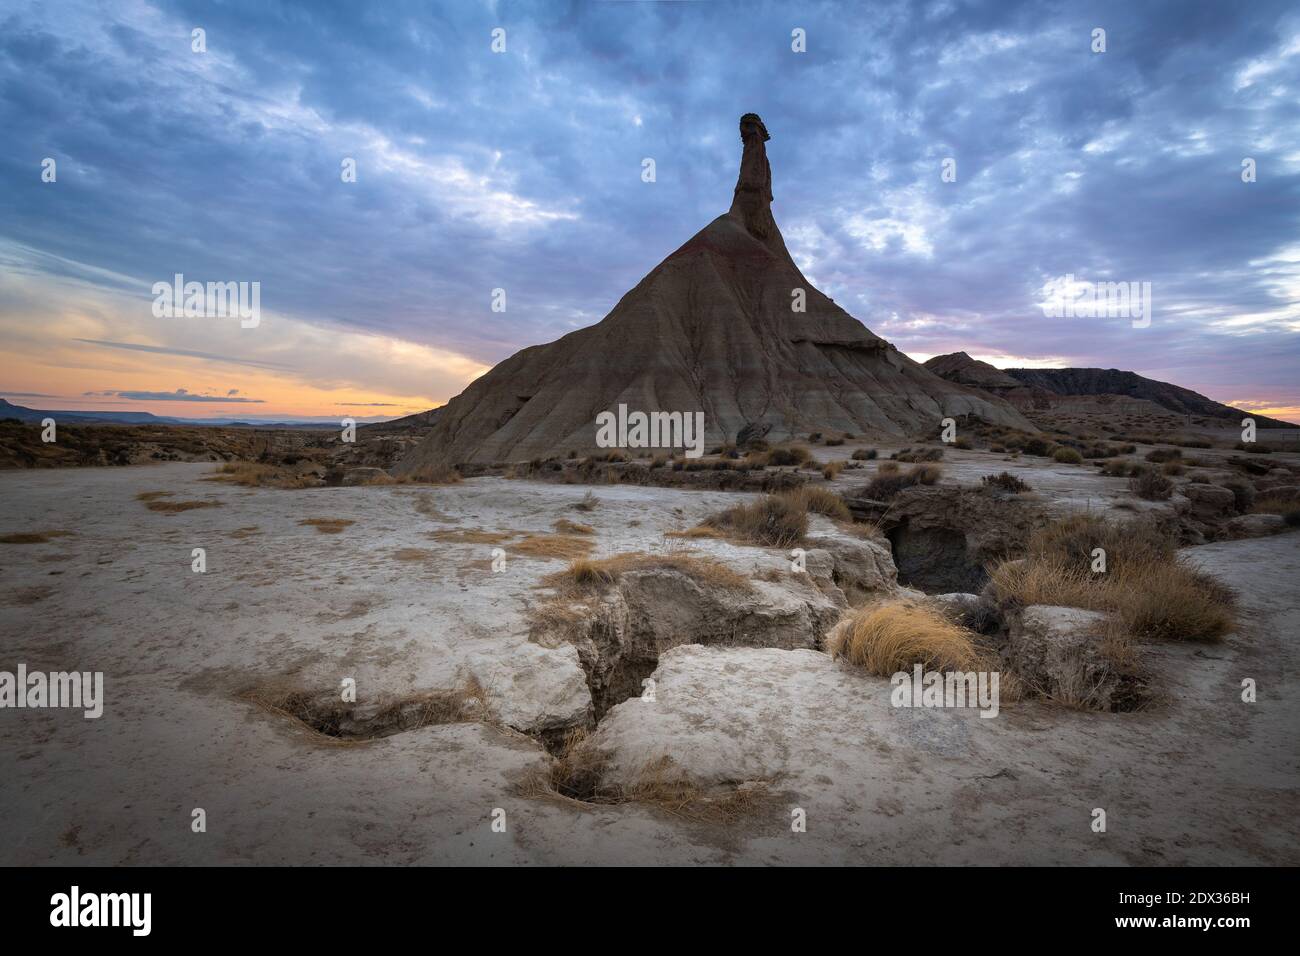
(588, 502)
(889, 481)
(552, 546)
(1152, 594)
(253, 474)
(577, 771)
(459, 536)
(327, 525)
(565, 526)
(176, 507)
(584, 575)
(817, 500)
(773, 521)
(330, 717)
(414, 554)
(699, 531)
(887, 638)
(431, 475)
(32, 537)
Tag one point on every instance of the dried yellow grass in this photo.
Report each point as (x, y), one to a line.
(887, 638)
(253, 474)
(578, 773)
(552, 547)
(175, 507)
(818, 500)
(327, 525)
(586, 574)
(1152, 594)
(32, 537)
(458, 536)
(565, 526)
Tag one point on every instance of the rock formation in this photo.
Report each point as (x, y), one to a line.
(716, 327)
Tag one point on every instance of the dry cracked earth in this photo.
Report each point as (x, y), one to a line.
(218, 686)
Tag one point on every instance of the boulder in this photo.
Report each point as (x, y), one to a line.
(1210, 501)
(1256, 526)
(1056, 652)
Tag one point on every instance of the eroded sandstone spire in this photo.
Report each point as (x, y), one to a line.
(752, 200)
(726, 326)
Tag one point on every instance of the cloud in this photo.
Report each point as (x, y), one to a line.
(187, 353)
(179, 395)
(521, 171)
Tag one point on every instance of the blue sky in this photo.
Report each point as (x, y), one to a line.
(522, 170)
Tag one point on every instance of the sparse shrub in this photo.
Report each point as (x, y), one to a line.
(832, 469)
(888, 483)
(588, 502)
(1005, 481)
(919, 454)
(1151, 593)
(864, 454)
(1172, 468)
(885, 639)
(963, 442)
(588, 573)
(1254, 447)
(831, 442)
(817, 500)
(794, 455)
(551, 546)
(1067, 456)
(1151, 485)
(565, 526)
(1159, 455)
(773, 521)
(1243, 493)
(815, 437)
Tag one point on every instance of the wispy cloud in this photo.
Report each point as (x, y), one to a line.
(178, 395)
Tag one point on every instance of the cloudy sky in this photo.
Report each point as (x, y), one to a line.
(521, 170)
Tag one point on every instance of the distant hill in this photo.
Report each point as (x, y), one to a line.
(1022, 384)
(1111, 381)
(65, 416)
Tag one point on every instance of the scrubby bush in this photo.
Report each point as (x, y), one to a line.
(1005, 481)
(1067, 456)
(817, 500)
(794, 455)
(774, 521)
(1243, 493)
(864, 454)
(1158, 455)
(888, 483)
(1151, 485)
(1149, 591)
(919, 454)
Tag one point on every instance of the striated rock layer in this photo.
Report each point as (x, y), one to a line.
(712, 328)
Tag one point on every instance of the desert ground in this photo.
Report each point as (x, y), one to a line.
(394, 586)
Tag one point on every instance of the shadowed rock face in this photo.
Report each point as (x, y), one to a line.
(711, 329)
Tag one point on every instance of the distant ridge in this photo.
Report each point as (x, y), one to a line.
(960, 367)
